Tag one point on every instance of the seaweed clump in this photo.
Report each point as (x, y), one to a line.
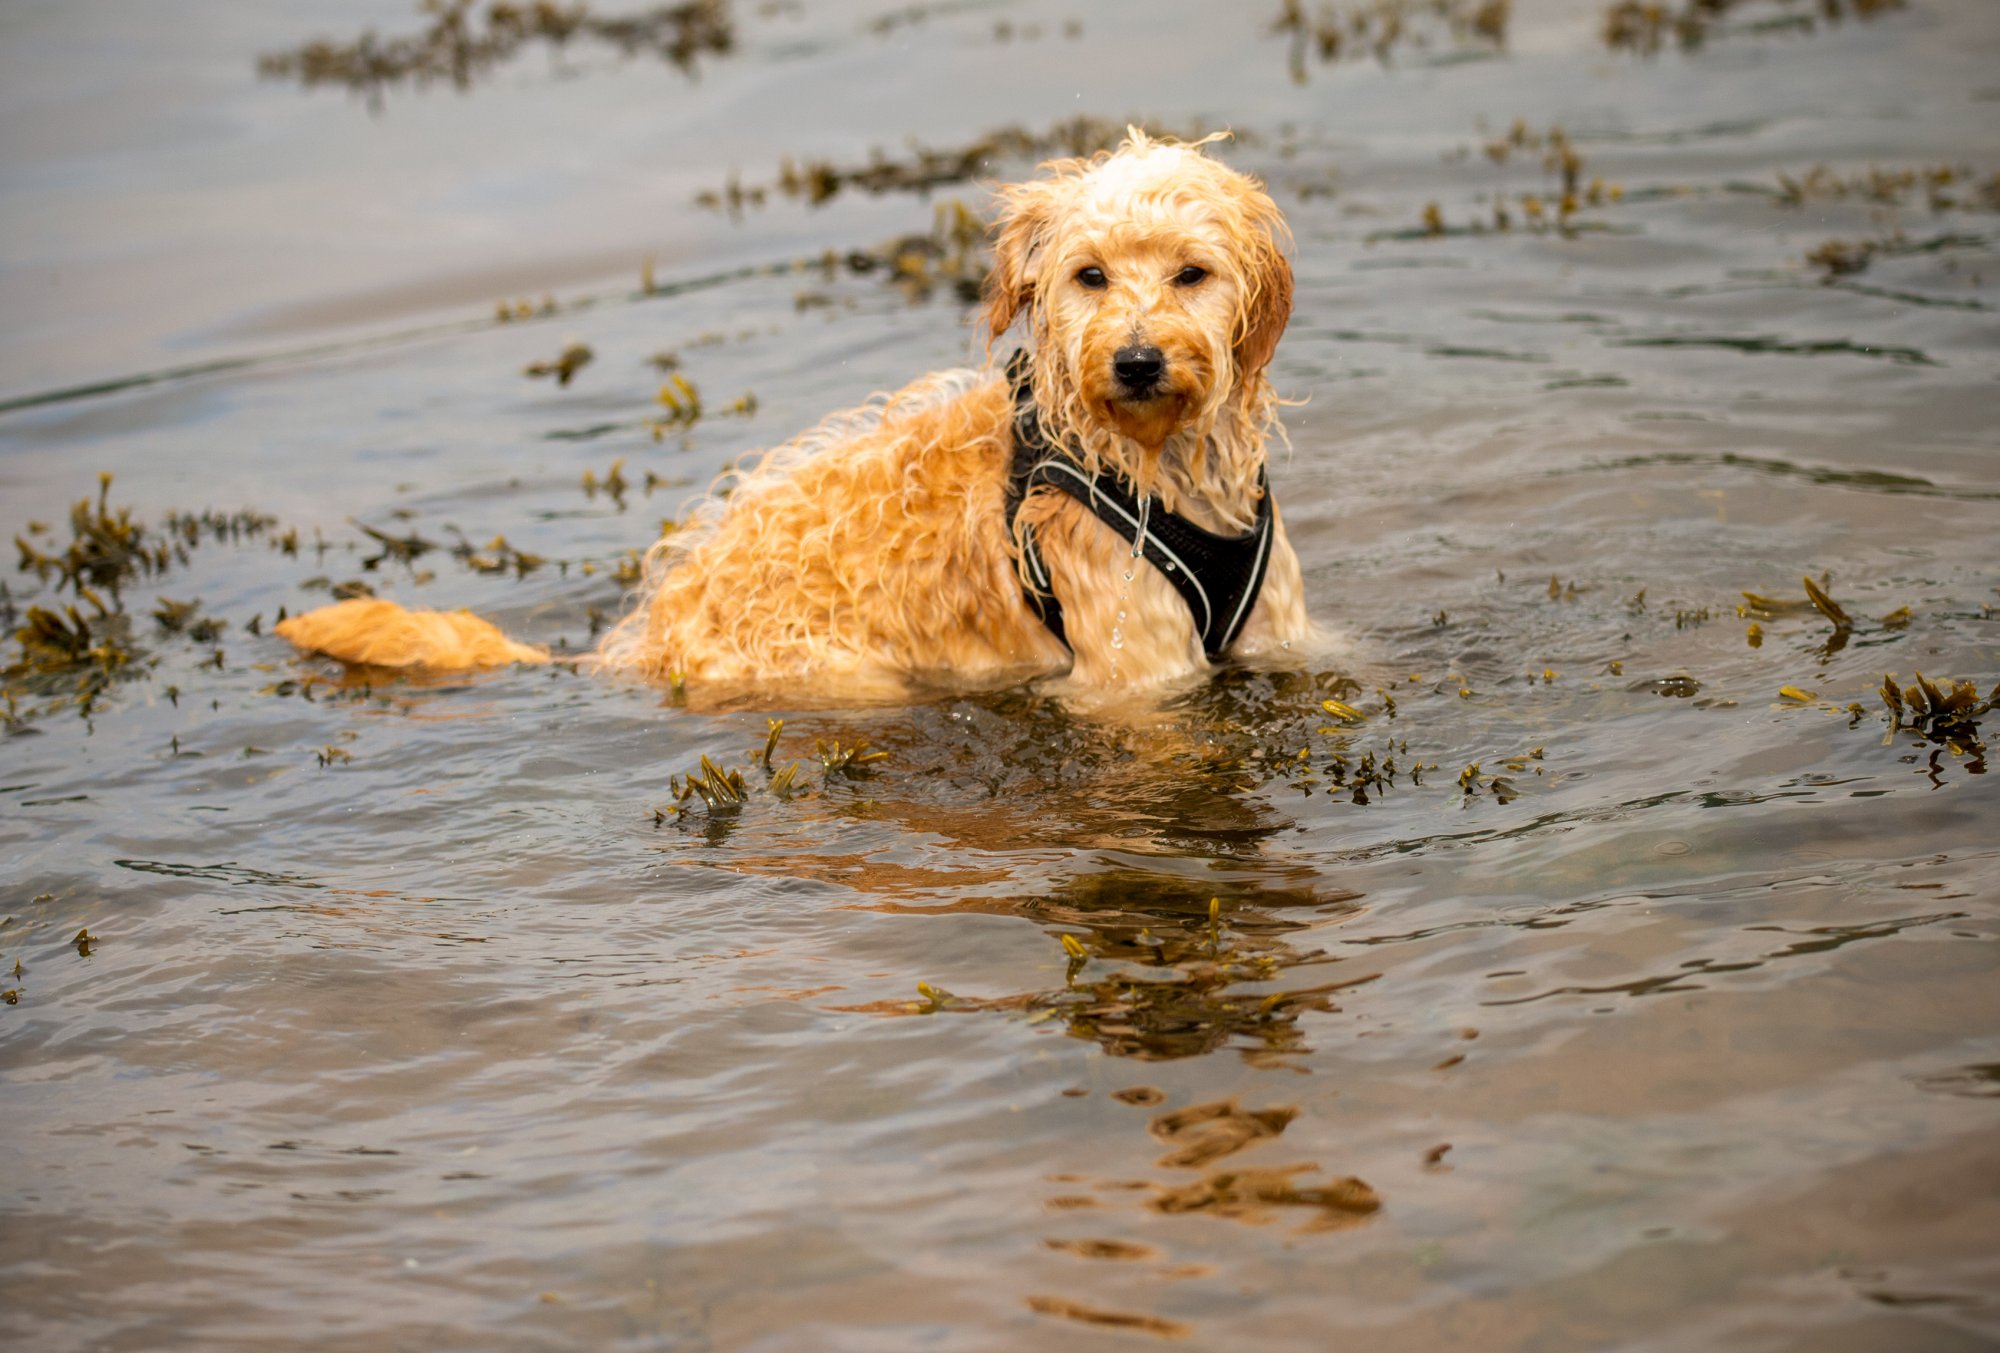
(70, 653)
(70, 656)
(723, 792)
(457, 50)
(107, 549)
(953, 255)
(1941, 188)
(1945, 187)
(575, 356)
(1556, 207)
(1645, 26)
(1844, 258)
(1379, 28)
(1946, 714)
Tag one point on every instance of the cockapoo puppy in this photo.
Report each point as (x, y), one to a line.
(1096, 508)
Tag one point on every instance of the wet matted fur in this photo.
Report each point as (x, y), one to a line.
(873, 554)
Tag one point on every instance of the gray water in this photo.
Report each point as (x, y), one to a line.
(418, 1014)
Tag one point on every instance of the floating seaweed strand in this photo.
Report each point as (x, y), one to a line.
(454, 50)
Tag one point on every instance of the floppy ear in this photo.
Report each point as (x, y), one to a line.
(1027, 211)
(1269, 308)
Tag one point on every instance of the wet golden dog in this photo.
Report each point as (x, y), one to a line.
(881, 551)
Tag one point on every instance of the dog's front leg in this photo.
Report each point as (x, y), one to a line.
(1127, 626)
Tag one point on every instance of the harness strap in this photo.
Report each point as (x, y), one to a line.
(1218, 576)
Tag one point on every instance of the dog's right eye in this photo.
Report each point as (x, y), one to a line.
(1092, 279)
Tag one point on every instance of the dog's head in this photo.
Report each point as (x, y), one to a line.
(1153, 279)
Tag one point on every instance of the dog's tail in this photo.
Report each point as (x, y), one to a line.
(377, 633)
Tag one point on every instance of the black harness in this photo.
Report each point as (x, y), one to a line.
(1218, 576)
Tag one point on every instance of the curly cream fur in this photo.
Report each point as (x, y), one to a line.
(872, 554)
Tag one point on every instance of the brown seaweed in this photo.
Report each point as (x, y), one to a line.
(1944, 713)
(1380, 28)
(457, 49)
(1644, 27)
(1557, 206)
(574, 356)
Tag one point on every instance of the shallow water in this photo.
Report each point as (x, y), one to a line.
(413, 1017)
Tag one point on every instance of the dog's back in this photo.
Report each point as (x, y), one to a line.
(867, 552)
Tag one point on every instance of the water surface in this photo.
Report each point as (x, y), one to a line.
(1639, 1005)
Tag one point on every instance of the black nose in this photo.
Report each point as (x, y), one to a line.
(1138, 368)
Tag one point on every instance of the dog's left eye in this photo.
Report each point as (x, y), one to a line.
(1190, 275)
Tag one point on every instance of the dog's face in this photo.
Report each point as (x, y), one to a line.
(1153, 280)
